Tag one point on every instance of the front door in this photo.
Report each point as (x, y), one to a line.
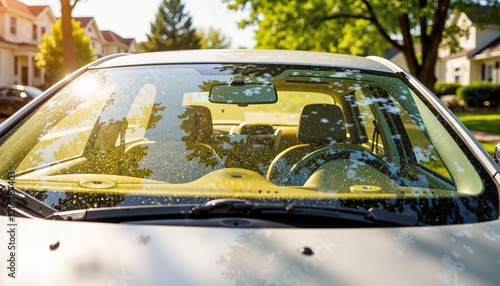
(24, 75)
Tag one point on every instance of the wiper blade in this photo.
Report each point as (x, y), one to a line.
(230, 208)
(373, 216)
(123, 214)
(18, 203)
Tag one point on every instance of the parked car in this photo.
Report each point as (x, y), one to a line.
(13, 97)
(245, 167)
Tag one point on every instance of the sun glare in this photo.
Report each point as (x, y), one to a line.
(85, 86)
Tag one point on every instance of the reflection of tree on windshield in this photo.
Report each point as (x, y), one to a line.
(208, 84)
(252, 70)
(73, 201)
(105, 156)
(109, 160)
(197, 124)
(237, 151)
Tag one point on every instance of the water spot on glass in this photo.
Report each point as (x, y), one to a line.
(459, 169)
(468, 248)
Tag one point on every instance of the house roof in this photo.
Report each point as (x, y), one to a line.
(482, 12)
(111, 37)
(493, 45)
(391, 53)
(22, 44)
(21, 7)
(84, 21)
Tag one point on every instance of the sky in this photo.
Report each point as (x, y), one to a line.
(132, 18)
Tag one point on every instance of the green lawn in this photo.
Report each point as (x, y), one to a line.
(490, 147)
(481, 121)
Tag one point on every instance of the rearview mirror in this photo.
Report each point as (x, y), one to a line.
(241, 93)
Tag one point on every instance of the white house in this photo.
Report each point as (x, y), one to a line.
(106, 42)
(480, 55)
(113, 44)
(479, 59)
(91, 29)
(21, 30)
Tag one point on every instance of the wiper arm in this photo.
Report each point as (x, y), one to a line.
(18, 203)
(373, 216)
(221, 208)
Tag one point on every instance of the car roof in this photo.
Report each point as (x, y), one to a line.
(18, 86)
(243, 56)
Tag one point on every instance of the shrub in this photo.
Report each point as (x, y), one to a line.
(478, 93)
(444, 88)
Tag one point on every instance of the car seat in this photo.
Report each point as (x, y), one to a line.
(320, 125)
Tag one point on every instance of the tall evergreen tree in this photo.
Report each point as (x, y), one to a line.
(172, 29)
(213, 39)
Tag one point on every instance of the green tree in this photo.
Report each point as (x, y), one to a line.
(172, 29)
(50, 55)
(365, 26)
(213, 39)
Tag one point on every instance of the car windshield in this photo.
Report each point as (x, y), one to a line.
(321, 136)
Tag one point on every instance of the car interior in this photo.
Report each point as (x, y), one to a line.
(322, 134)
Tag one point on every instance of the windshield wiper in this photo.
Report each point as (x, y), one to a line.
(292, 215)
(373, 216)
(18, 203)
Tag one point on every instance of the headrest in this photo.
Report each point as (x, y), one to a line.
(321, 124)
(197, 123)
(255, 128)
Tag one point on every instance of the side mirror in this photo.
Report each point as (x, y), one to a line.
(496, 154)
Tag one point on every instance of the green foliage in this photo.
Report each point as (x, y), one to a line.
(172, 29)
(365, 27)
(444, 88)
(303, 25)
(50, 55)
(348, 26)
(477, 94)
(213, 39)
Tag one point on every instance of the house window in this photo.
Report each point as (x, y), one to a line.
(118, 50)
(102, 50)
(44, 30)
(457, 74)
(35, 32)
(16, 68)
(467, 35)
(13, 25)
(489, 73)
(37, 70)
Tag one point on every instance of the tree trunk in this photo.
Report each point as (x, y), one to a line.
(69, 56)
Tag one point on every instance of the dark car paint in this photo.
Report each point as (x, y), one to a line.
(11, 99)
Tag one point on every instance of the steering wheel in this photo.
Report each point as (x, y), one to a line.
(206, 146)
(342, 152)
